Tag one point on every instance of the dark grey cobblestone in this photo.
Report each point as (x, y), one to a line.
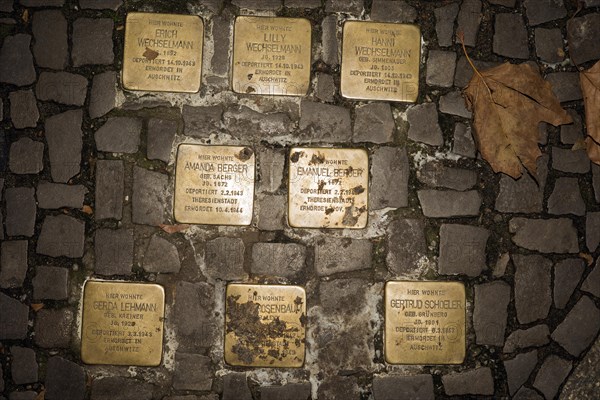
(24, 367)
(61, 235)
(324, 122)
(582, 32)
(333, 255)
(462, 249)
(463, 143)
(192, 372)
(20, 211)
(51, 49)
(109, 189)
(127, 388)
(491, 313)
(445, 17)
(92, 41)
(64, 380)
(527, 394)
(65, 141)
(42, 3)
(579, 328)
(440, 68)
(271, 162)
(161, 133)
(565, 86)
(330, 42)
(406, 245)
(393, 11)
(549, 45)
(57, 195)
(535, 336)
(389, 178)
(525, 195)
(545, 235)
(235, 387)
(13, 263)
(510, 37)
(403, 387)
(225, 258)
(596, 181)
(592, 282)
(519, 369)
(469, 18)
(113, 251)
(53, 328)
(242, 121)
(119, 135)
(339, 387)
(62, 87)
(449, 203)
(476, 382)
(551, 375)
(272, 211)
(16, 61)
(201, 331)
(100, 4)
(221, 36)
(435, 174)
(161, 256)
(571, 133)
(341, 6)
(51, 283)
(201, 121)
(290, 391)
(374, 123)
(567, 274)
(13, 318)
(103, 94)
(287, 259)
(540, 11)
(453, 103)
(325, 90)
(424, 126)
(149, 197)
(584, 378)
(566, 198)
(567, 160)
(24, 112)
(26, 395)
(533, 296)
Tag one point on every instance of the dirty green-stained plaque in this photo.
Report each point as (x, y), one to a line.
(214, 184)
(271, 56)
(265, 325)
(380, 61)
(328, 188)
(122, 323)
(163, 52)
(424, 322)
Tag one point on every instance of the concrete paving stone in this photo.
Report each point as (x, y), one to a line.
(406, 245)
(565, 85)
(526, 393)
(449, 203)
(325, 89)
(392, 11)
(335, 255)
(14, 317)
(469, 18)
(42, 3)
(510, 37)
(435, 174)
(13, 263)
(7, 7)
(202, 121)
(445, 17)
(53, 328)
(566, 198)
(579, 328)
(540, 11)
(24, 366)
(519, 369)
(567, 274)
(344, 6)
(478, 381)
(26, 395)
(127, 389)
(224, 258)
(596, 181)
(61, 235)
(24, 112)
(221, 33)
(110, 182)
(533, 293)
(119, 135)
(16, 61)
(271, 212)
(92, 41)
(20, 211)
(148, 200)
(523, 195)
(329, 40)
(556, 235)
(258, 4)
(454, 104)
(490, 314)
(583, 381)
(161, 133)
(64, 380)
(389, 178)
(324, 122)
(592, 282)
(374, 123)
(278, 259)
(113, 251)
(271, 164)
(440, 68)
(463, 143)
(192, 372)
(424, 126)
(50, 283)
(62, 87)
(536, 336)
(58, 195)
(393, 387)
(571, 133)
(549, 45)
(464, 71)
(242, 121)
(462, 249)
(51, 49)
(551, 375)
(302, 3)
(161, 256)
(504, 3)
(567, 160)
(290, 391)
(235, 387)
(582, 33)
(65, 142)
(339, 387)
(100, 4)
(103, 97)
(202, 331)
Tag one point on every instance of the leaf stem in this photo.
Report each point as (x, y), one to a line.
(461, 37)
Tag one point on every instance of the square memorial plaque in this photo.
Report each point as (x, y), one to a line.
(271, 56)
(163, 52)
(122, 323)
(328, 188)
(265, 325)
(380, 61)
(424, 322)
(214, 185)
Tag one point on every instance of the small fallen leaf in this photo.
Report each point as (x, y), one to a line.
(87, 209)
(579, 145)
(41, 395)
(25, 16)
(174, 228)
(37, 306)
(588, 258)
(590, 87)
(150, 54)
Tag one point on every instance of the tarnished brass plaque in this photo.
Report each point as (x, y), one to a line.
(424, 322)
(328, 188)
(380, 61)
(163, 52)
(271, 56)
(214, 185)
(265, 325)
(122, 323)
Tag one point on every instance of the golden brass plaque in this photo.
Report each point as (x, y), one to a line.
(424, 322)
(380, 61)
(122, 323)
(271, 56)
(265, 325)
(214, 184)
(328, 188)
(163, 52)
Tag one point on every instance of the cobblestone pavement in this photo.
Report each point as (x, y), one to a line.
(88, 174)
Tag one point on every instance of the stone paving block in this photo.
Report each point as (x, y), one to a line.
(567, 274)
(24, 112)
(406, 245)
(469, 18)
(393, 387)
(344, 6)
(119, 135)
(571, 133)
(13, 263)
(192, 372)
(51, 49)
(582, 33)
(303, 3)
(329, 40)
(161, 256)
(61, 235)
(64, 380)
(533, 295)
(478, 381)
(596, 181)
(92, 41)
(464, 71)
(290, 391)
(14, 317)
(551, 375)
(258, 4)
(26, 395)
(149, 197)
(583, 381)
(440, 68)
(392, 11)
(278, 259)
(62, 87)
(57, 195)
(335, 255)
(462, 249)
(325, 89)
(24, 366)
(64, 137)
(505, 3)
(51, 283)
(519, 369)
(42, 3)
(53, 328)
(224, 258)
(161, 133)
(26, 156)
(592, 282)
(113, 251)
(567, 160)
(110, 184)
(339, 387)
(549, 45)
(235, 387)
(579, 328)
(324, 122)
(527, 394)
(202, 331)
(100, 4)
(374, 123)
(20, 211)
(510, 37)
(103, 97)
(242, 121)
(6, 6)
(463, 143)
(127, 388)
(1, 375)
(202, 121)
(221, 33)
(454, 104)
(540, 11)
(445, 17)
(271, 163)
(449, 203)
(566, 198)
(565, 85)
(536, 336)
(424, 126)
(490, 315)
(389, 178)
(523, 195)
(16, 61)
(435, 174)
(556, 235)
(271, 212)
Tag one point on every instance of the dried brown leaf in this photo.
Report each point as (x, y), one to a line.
(87, 209)
(588, 258)
(41, 395)
(25, 16)
(37, 306)
(174, 228)
(590, 87)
